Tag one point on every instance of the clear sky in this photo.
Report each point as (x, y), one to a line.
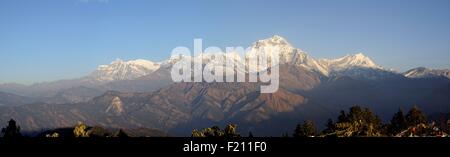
(44, 40)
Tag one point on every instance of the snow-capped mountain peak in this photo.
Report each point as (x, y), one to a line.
(358, 60)
(350, 64)
(274, 40)
(124, 70)
(288, 54)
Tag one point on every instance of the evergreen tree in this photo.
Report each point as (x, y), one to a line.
(415, 116)
(298, 132)
(342, 117)
(122, 134)
(398, 123)
(215, 131)
(196, 133)
(330, 127)
(12, 130)
(358, 122)
(250, 134)
(230, 131)
(307, 129)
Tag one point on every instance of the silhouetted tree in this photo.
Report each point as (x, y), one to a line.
(330, 127)
(398, 123)
(415, 116)
(12, 130)
(250, 134)
(307, 129)
(122, 134)
(342, 117)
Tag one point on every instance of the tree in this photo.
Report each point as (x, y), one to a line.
(358, 122)
(80, 130)
(196, 133)
(12, 130)
(330, 127)
(415, 116)
(230, 131)
(122, 134)
(307, 129)
(53, 135)
(398, 123)
(342, 117)
(250, 134)
(215, 131)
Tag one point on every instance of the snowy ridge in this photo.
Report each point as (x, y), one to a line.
(349, 61)
(350, 65)
(423, 72)
(122, 70)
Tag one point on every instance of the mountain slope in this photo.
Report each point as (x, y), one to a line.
(8, 99)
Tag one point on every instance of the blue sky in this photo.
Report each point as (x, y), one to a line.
(44, 40)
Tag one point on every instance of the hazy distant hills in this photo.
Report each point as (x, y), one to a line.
(8, 99)
(140, 94)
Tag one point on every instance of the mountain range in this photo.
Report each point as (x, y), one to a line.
(141, 94)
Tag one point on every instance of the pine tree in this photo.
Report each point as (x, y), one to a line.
(12, 130)
(307, 129)
(342, 117)
(330, 127)
(398, 123)
(298, 132)
(415, 116)
(122, 134)
(215, 131)
(358, 122)
(196, 133)
(250, 134)
(230, 131)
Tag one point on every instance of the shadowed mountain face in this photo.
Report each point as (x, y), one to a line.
(140, 94)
